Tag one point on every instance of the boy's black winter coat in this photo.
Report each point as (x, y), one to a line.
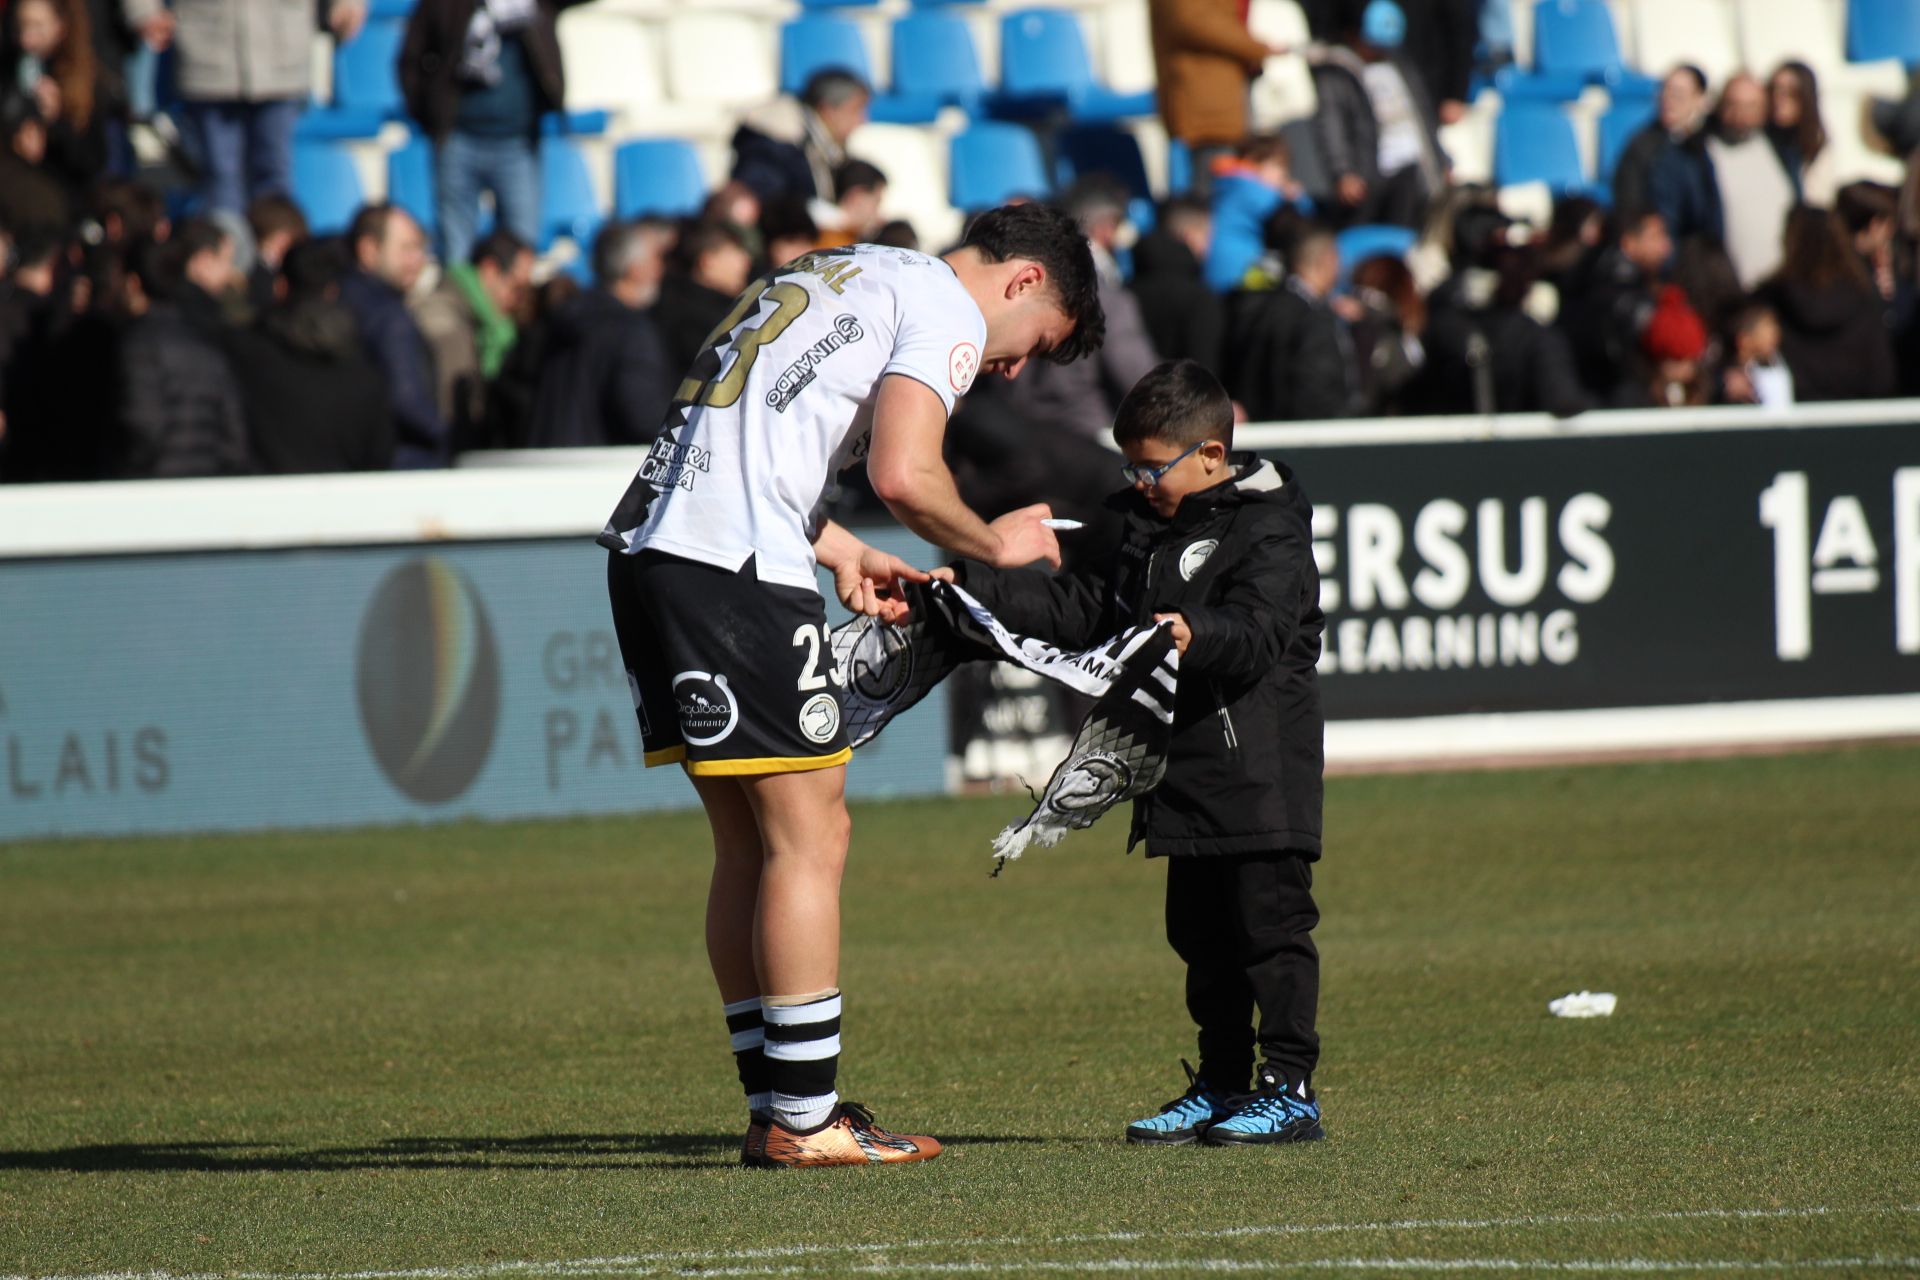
(1244, 773)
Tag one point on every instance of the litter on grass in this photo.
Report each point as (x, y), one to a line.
(1583, 1004)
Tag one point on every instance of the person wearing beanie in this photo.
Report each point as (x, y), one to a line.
(1675, 341)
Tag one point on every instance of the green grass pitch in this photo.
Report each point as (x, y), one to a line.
(493, 1051)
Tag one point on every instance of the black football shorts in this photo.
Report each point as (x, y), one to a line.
(729, 675)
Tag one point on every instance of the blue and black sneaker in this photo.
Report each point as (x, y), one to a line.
(1273, 1112)
(1185, 1119)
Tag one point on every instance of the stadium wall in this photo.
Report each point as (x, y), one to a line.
(339, 650)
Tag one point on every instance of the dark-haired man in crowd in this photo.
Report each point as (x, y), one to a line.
(1289, 357)
(1682, 106)
(313, 401)
(711, 264)
(844, 357)
(606, 379)
(389, 252)
(471, 319)
(1606, 318)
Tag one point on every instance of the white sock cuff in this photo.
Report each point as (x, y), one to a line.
(750, 1005)
(791, 1015)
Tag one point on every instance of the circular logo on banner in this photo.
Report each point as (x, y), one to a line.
(1093, 781)
(428, 680)
(820, 718)
(963, 362)
(708, 712)
(881, 665)
(1196, 555)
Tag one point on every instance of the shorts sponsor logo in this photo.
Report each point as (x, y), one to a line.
(427, 679)
(963, 362)
(708, 711)
(800, 374)
(668, 465)
(1091, 783)
(820, 718)
(1196, 555)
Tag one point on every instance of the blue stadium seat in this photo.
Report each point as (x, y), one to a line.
(1576, 37)
(1516, 84)
(366, 84)
(401, 9)
(838, 4)
(935, 65)
(1534, 142)
(1371, 240)
(327, 186)
(1626, 117)
(1879, 29)
(1044, 66)
(993, 161)
(658, 176)
(410, 181)
(1102, 148)
(812, 43)
(568, 206)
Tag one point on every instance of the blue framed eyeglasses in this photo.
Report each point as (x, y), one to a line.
(1140, 473)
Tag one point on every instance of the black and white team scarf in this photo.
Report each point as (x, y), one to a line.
(1120, 751)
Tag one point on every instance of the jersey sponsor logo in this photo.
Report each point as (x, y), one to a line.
(708, 711)
(1196, 555)
(820, 718)
(668, 465)
(963, 362)
(800, 374)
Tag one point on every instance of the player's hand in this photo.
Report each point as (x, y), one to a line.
(1023, 539)
(943, 574)
(1182, 635)
(871, 584)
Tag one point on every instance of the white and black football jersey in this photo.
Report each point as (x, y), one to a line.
(780, 402)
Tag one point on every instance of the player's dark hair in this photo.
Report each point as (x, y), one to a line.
(1178, 402)
(1042, 234)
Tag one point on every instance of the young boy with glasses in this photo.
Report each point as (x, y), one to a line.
(1219, 545)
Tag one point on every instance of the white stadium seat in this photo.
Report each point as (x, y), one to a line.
(1669, 32)
(613, 64)
(915, 162)
(720, 59)
(1126, 41)
(1813, 32)
(1284, 92)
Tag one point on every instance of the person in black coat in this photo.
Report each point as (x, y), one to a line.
(389, 252)
(607, 380)
(1682, 107)
(1606, 310)
(1385, 169)
(1833, 330)
(793, 148)
(180, 407)
(1219, 546)
(1289, 358)
(711, 267)
(313, 402)
(1185, 319)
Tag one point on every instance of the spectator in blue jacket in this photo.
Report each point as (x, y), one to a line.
(389, 253)
(1246, 194)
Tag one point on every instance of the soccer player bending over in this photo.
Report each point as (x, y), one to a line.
(1219, 544)
(841, 356)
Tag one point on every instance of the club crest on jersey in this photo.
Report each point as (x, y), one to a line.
(963, 362)
(820, 718)
(1196, 555)
(668, 464)
(708, 712)
(799, 375)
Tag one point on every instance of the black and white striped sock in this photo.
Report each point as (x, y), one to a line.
(803, 1056)
(745, 1026)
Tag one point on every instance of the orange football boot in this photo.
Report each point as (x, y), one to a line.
(848, 1137)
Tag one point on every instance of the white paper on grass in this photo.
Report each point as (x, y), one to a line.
(1583, 1004)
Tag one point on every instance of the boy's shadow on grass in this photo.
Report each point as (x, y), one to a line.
(547, 1151)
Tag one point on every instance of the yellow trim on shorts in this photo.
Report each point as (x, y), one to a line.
(666, 755)
(768, 764)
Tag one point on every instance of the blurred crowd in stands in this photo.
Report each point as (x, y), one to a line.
(202, 331)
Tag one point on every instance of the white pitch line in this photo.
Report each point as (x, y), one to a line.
(697, 1261)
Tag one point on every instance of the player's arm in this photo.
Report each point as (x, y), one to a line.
(867, 579)
(909, 474)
